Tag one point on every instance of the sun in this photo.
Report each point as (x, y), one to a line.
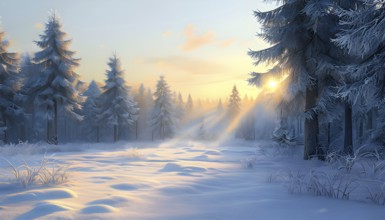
(272, 84)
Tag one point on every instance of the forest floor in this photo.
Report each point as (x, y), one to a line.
(179, 179)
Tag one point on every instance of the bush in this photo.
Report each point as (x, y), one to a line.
(46, 173)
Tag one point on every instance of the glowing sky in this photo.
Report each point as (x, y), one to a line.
(199, 45)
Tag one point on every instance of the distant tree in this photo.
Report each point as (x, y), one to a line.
(234, 103)
(189, 106)
(55, 86)
(163, 115)
(9, 86)
(220, 106)
(117, 106)
(180, 107)
(91, 108)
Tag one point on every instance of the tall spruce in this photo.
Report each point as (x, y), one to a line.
(91, 107)
(234, 107)
(301, 32)
(55, 88)
(118, 108)
(163, 115)
(9, 85)
(361, 37)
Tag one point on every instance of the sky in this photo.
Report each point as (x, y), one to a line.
(199, 46)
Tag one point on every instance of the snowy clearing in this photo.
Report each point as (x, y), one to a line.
(173, 180)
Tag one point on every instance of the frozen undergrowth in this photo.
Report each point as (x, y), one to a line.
(360, 176)
(26, 148)
(46, 172)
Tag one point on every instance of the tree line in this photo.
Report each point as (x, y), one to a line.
(43, 99)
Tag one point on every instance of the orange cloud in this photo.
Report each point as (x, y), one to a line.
(194, 41)
(167, 34)
(39, 26)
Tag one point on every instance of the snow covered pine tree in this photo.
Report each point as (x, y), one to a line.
(163, 115)
(55, 87)
(8, 86)
(118, 108)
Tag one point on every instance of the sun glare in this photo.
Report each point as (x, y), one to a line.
(272, 84)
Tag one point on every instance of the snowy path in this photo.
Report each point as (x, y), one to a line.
(176, 180)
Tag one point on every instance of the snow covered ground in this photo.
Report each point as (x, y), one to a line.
(172, 180)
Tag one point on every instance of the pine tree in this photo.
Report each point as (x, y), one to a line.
(189, 106)
(55, 87)
(91, 108)
(300, 32)
(117, 106)
(180, 107)
(163, 115)
(220, 106)
(234, 103)
(361, 37)
(9, 86)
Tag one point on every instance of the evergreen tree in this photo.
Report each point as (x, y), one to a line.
(91, 107)
(234, 103)
(300, 32)
(180, 107)
(9, 86)
(117, 106)
(220, 106)
(163, 115)
(189, 106)
(55, 87)
(144, 100)
(361, 37)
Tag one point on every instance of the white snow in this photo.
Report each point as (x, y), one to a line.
(178, 179)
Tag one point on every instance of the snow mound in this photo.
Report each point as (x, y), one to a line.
(128, 187)
(47, 194)
(211, 152)
(42, 209)
(174, 167)
(99, 209)
(113, 201)
(174, 190)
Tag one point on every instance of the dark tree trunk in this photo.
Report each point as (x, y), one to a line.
(348, 136)
(97, 134)
(115, 133)
(370, 121)
(6, 129)
(56, 139)
(329, 136)
(311, 124)
(360, 130)
(136, 130)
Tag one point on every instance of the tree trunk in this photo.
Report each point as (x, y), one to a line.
(360, 130)
(329, 136)
(56, 139)
(370, 121)
(97, 134)
(136, 130)
(311, 124)
(348, 136)
(115, 133)
(6, 129)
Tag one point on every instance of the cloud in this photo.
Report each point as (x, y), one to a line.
(186, 64)
(167, 34)
(39, 26)
(225, 43)
(194, 41)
